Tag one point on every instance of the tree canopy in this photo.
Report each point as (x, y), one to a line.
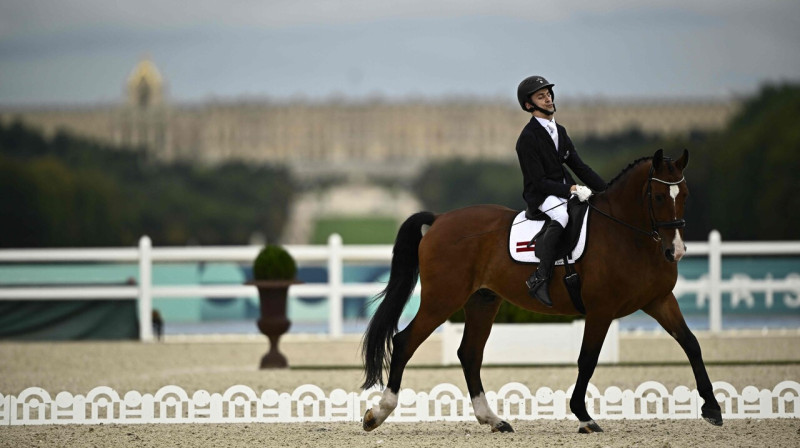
(68, 191)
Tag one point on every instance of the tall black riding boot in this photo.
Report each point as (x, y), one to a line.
(539, 282)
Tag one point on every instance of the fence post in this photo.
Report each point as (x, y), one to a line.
(335, 276)
(145, 289)
(714, 281)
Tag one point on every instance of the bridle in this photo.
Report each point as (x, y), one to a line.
(654, 225)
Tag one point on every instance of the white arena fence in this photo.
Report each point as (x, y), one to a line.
(444, 402)
(333, 255)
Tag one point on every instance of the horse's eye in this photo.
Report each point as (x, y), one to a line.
(659, 198)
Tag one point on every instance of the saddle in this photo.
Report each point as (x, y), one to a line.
(527, 226)
(568, 250)
(569, 240)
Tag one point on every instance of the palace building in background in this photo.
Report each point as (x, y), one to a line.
(350, 142)
(347, 136)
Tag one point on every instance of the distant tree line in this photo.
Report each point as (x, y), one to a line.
(67, 191)
(744, 181)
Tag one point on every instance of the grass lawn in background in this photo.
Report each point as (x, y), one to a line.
(356, 230)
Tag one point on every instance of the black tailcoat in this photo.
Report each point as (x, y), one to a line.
(542, 170)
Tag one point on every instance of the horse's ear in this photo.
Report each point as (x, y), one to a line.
(658, 157)
(683, 161)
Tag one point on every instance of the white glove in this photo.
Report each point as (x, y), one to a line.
(582, 192)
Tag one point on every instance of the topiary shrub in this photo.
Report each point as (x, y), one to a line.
(511, 314)
(274, 263)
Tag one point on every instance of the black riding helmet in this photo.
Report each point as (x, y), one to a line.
(530, 85)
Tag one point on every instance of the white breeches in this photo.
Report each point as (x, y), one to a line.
(559, 213)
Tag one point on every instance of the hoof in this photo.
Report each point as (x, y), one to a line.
(503, 426)
(589, 427)
(713, 416)
(369, 422)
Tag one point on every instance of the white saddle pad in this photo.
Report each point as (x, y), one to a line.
(523, 229)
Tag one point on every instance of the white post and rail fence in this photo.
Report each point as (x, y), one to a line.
(334, 255)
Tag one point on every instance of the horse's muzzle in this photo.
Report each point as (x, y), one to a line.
(676, 251)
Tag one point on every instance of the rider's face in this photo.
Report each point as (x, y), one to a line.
(541, 98)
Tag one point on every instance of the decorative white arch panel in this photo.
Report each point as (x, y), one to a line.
(309, 403)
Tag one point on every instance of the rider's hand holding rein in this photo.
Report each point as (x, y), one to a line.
(583, 193)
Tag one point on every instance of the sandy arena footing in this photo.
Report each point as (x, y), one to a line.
(214, 363)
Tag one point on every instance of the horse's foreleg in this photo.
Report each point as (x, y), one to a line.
(479, 311)
(668, 314)
(594, 333)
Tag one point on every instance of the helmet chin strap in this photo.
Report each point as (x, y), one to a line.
(544, 111)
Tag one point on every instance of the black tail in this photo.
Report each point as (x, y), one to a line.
(376, 347)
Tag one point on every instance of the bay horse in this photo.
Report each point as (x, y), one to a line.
(462, 260)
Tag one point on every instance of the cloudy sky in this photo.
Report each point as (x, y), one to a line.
(81, 51)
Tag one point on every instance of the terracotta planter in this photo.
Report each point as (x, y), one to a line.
(273, 322)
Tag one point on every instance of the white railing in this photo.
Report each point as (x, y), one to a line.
(712, 286)
(334, 255)
(309, 403)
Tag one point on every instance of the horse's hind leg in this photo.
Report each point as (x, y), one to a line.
(479, 311)
(431, 314)
(667, 312)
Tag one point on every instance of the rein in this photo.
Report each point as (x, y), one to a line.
(654, 234)
(655, 225)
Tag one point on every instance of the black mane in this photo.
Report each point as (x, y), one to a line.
(628, 168)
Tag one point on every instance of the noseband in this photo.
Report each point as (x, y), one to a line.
(654, 225)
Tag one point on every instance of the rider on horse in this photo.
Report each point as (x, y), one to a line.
(542, 148)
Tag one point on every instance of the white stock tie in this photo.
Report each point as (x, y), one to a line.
(551, 128)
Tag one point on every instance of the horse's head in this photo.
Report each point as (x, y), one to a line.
(666, 193)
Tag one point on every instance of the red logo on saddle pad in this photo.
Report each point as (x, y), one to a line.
(522, 246)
